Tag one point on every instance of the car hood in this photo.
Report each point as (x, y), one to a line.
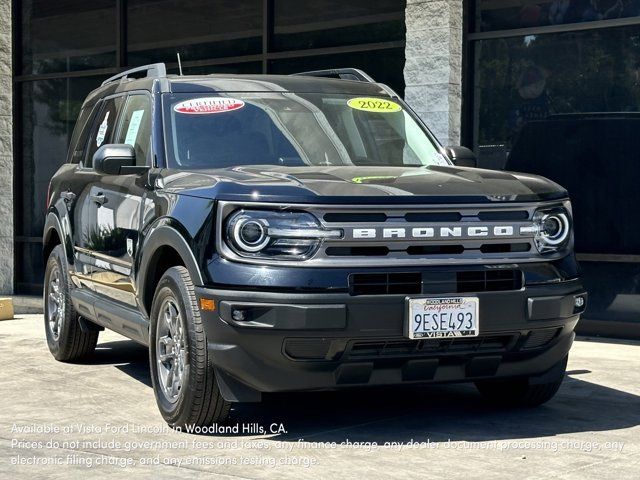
(434, 184)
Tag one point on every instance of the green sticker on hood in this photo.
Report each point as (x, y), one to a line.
(379, 179)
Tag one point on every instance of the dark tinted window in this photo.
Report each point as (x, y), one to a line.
(287, 129)
(595, 158)
(79, 137)
(384, 66)
(198, 29)
(135, 127)
(103, 128)
(329, 23)
(67, 36)
(48, 115)
(526, 78)
(505, 15)
(242, 68)
(48, 111)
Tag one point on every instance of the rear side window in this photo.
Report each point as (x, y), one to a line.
(135, 128)
(79, 136)
(103, 128)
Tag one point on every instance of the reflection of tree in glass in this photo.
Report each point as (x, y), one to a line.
(594, 71)
(62, 109)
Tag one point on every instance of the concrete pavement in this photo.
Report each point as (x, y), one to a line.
(83, 420)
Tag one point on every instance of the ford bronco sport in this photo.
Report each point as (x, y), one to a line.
(268, 233)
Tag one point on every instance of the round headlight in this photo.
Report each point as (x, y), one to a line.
(277, 235)
(554, 228)
(250, 234)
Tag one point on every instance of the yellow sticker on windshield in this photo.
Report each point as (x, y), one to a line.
(371, 104)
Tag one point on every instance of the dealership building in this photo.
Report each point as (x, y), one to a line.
(544, 86)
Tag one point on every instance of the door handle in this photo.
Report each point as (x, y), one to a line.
(99, 198)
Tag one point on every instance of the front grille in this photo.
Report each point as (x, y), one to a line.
(505, 247)
(428, 234)
(423, 234)
(355, 217)
(357, 251)
(502, 215)
(435, 282)
(435, 250)
(424, 216)
(428, 347)
(420, 250)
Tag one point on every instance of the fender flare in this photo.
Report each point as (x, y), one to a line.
(51, 224)
(158, 237)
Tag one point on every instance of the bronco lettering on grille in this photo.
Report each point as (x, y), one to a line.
(431, 232)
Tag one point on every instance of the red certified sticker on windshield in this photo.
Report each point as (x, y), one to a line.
(208, 105)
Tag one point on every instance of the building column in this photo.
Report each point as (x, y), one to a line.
(6, 152)
(433, 68)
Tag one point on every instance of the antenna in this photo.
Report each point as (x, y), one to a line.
(179, 63)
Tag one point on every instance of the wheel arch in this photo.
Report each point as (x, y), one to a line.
(163, 248)
(54, 234)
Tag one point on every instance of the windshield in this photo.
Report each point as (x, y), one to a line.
(288, 129)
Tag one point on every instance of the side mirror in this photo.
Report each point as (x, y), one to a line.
(116, 159)
(461, 156)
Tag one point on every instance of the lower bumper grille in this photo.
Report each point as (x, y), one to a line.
(416, 348)
(539, 338)
(345, 349)
(435, 282)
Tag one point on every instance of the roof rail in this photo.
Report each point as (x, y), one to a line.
(153, 70)
(342, 73)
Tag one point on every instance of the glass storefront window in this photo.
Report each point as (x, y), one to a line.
(49, 112)
(493, 15)
(67, 36)
(567, 106)
(197, 29)
(330, 23)
(239, 68)
(384, 66)
(520, 79)
(49, 109)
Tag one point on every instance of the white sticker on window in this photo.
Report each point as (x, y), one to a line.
(208, 105)
(134, 126)
(102, 131)
(439, 159)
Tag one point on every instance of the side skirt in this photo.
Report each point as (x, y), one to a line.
(113, 316)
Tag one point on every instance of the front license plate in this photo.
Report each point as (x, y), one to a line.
(443, 317)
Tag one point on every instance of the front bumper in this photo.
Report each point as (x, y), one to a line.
(295, 341)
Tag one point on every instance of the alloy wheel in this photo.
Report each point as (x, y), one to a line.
(55, 303)
(171, 351)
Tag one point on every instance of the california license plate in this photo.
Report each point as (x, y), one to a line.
(442, 317)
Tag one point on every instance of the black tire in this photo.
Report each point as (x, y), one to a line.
(196, 399)
(66, 340)
(520, 392)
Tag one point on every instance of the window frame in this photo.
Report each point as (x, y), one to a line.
(82, 165)
(83, 132)
(149, 162)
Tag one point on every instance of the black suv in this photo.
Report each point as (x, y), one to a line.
(284, 233)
